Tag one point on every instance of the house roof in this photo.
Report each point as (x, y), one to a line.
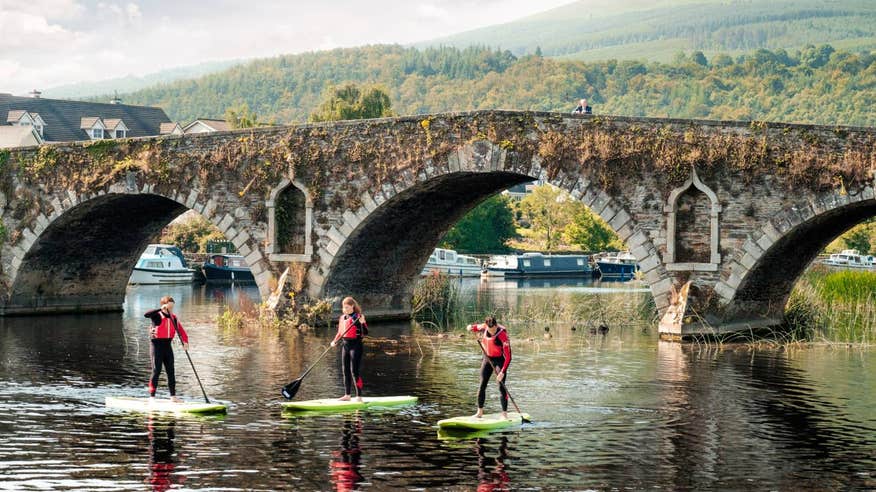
(216, 125)
(17, 136)
(89, 122)
(113, 123)
(166, 128)
(64, 118)
(14, 116)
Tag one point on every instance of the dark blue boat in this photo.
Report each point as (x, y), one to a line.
(621, 266)
(539, 265)
(227, 269)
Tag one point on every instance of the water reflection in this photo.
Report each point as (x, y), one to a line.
(162, 455)
(346, 462)
(492, 471)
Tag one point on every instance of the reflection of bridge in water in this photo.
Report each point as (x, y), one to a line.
(355, 208)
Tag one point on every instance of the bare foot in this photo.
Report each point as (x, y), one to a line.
(175, 399)
(505, 415)
(359, 399)
(479, 414)
(344, 398)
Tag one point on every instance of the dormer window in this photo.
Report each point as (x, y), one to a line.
(94, 127)
(115, 128)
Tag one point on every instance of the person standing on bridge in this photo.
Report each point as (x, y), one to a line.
(583, 108)
(165, 327)
(497, 357)
(352, 328)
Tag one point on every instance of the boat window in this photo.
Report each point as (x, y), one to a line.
(441, 254)
(154, 264)
(547, 262)
(526, 263)
(580, 261)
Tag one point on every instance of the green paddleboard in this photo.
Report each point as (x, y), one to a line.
(334, 405)
(490, 421)
(148, 405)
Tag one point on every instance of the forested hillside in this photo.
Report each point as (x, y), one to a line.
(812, 85)
(655, 29)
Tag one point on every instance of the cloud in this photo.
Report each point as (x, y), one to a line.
(430, 11)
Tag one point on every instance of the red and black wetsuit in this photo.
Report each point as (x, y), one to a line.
(498, 349)
(351, 330)
(164, 328)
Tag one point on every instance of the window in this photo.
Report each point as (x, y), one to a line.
(120, 133)
(547, 262)
(526, 263)
(580, 261)
(96, 133)
(154, 264)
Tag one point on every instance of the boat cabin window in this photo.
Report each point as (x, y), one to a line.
(527, 263)
(441, 255)
(580, 261)
(547, 262)
(219, 260)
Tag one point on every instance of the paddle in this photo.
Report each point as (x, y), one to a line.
(502, 384)
(193, 368)
(291, 389)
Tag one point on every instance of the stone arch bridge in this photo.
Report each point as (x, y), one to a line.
(355, 208)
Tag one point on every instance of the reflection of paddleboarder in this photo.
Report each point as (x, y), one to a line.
(345, 463)
(497, 358)
(162, 463)
(496, 479)
(165, 326)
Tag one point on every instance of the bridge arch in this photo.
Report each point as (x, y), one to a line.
(377, 251)
(764, 272)
(79, 256)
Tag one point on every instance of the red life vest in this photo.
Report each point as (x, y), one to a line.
(168, 328)
(346, 330)
(494, 345)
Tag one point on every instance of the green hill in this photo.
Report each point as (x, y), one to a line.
(814, 85)
(657, 29)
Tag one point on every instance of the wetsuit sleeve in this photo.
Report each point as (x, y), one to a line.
(476, 327)
(364, 324)
(182, 332)
(154, 315)
(506, 350)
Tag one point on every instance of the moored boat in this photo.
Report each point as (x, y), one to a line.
(227, 269)
(540, 265)
(161, 264)
(618, 266)
(452, 263)
(850, 259)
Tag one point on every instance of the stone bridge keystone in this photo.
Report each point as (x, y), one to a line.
(738, 210)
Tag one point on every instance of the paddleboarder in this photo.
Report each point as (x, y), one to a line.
(165, 327)
(352, 328)
(497, 354)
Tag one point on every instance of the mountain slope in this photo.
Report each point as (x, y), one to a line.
(657, 29)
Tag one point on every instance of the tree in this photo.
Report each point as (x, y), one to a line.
(858, 239)
(191, 235)
(588, 231)
(699, 58)
(549, 210)
(349, 102)
(484, 229)
(241, 116)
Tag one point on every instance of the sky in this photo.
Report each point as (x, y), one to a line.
(47, 43)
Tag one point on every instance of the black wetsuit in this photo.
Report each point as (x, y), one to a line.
(351, 361)
(486, 371)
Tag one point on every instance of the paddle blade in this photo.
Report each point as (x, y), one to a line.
(290, 389)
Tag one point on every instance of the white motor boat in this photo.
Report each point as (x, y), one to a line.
(161, 264)
(451, 263)
(850, 258)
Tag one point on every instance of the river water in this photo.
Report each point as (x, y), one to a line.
(619, 411)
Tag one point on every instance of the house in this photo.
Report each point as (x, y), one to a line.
(18, 136)
(59, 120)
(206, 125)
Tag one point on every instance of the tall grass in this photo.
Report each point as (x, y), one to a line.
(834, 306)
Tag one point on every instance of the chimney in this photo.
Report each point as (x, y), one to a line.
(116, 99)
(35, 94)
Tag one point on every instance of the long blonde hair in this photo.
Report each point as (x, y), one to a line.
(349, 301)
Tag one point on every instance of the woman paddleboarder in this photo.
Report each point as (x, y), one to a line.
(497, 358)
(351, 329)
(165, 326)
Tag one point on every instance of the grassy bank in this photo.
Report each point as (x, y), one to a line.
(833, 306)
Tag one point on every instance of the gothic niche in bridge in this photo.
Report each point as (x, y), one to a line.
(290, 220)
(692, 227)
